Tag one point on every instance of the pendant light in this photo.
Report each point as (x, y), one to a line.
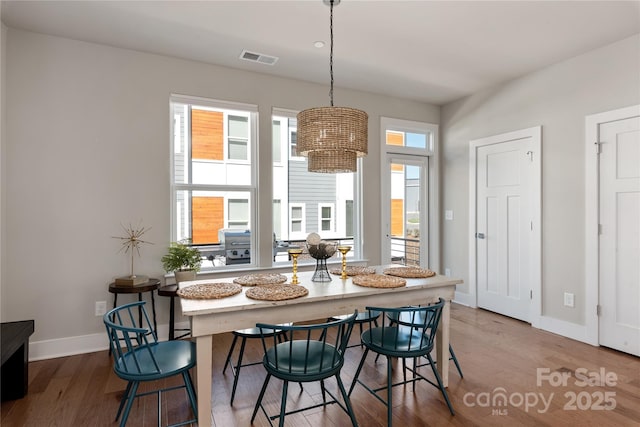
(332, 137)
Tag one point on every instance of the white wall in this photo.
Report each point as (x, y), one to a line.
(558, 98)
(3, 38)
(87, 149)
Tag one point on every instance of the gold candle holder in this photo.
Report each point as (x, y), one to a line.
(343, 250)
(293, 253)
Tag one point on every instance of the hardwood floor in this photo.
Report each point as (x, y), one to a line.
(497, 354)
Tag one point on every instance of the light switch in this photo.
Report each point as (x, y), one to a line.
(448, 215)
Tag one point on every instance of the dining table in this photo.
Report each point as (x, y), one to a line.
(324, 299)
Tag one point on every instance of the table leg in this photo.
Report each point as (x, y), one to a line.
(203, 367)
(442, 343)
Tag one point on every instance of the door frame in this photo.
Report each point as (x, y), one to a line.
(592, 215)
(535, 133)
(433, 196)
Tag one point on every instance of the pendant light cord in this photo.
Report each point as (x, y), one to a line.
(331, 54)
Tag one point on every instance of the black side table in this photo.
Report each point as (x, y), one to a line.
(15, 358)
(171, 291)
(150, 286)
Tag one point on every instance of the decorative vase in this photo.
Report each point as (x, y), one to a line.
(320, 253)
(321, 274)
(184, 276)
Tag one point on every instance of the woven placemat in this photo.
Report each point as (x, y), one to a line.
(409, 272)
(260, 279)
(353, 270)
(210, 290)
(378, 281)
(276, 292)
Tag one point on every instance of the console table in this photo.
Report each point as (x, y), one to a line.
(15, 358)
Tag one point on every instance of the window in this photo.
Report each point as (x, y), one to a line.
(238, 214)
(238, 137)
(296, 215)
(214, 185)
(213, 178)
(326, 219)
(311, 202)
(293, 144)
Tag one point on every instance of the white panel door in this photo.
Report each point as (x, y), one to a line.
(619, 272)
(503, 226)
(405, 211)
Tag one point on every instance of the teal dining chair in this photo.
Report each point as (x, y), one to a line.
(244, 335)
(304, 358)
(394, 340)
(139, 357)
(405, 320)
(361, 318)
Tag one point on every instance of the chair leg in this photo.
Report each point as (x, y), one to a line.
(127, 409)
(233, 345)
(347, 401)
(283, 405)
(404, 369)
(455, 360)
(355, 377)
(440, 386)
(389, 392)
(415, 367)
(236, 371)
(324, 392)
(260, 396)
(125, 396)
(188, 383)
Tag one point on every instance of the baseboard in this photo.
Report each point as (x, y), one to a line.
(70, 346)
(465, 299)
(566, 329)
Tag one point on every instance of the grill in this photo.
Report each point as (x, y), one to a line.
(237, 245)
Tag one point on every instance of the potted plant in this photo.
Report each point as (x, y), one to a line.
(183, 260)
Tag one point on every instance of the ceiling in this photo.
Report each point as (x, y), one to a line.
(429, 51)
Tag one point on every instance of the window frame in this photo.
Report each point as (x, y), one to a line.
(252, 188)
(357, 246)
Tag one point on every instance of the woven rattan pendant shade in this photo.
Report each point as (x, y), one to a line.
(332, 137)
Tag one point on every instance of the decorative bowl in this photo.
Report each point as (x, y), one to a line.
(322, 250)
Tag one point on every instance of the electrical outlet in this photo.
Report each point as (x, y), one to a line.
(447, 272)
(101, 308)
(448, 215)
(568, 299)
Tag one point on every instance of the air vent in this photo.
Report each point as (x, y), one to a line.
(258, 57)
